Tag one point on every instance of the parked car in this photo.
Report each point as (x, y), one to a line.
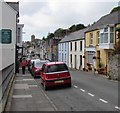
(54, 74)
(31, 65)
(36, 67)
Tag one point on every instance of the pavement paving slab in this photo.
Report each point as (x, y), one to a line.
(27, 95)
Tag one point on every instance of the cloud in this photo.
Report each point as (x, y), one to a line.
(43, 16)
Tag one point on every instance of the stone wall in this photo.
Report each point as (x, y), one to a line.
(113, 66)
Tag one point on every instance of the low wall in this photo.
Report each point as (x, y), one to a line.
(6, 78)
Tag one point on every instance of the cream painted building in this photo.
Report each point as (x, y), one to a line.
(76, 49)
(100, 41)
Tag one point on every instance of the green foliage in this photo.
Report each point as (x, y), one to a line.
(80, 26)
(101, 65)
(115, 9)
(60, 32)
(74, 28)
(50, 35)
(43, 38)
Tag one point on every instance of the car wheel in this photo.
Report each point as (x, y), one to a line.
(45, 87)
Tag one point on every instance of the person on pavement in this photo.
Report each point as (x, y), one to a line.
(23, 65)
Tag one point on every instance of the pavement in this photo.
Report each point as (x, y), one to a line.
(27, 95)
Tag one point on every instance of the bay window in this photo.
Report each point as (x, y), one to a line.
(107, 35)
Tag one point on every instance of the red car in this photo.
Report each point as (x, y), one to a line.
(36, 67)
(54, 74)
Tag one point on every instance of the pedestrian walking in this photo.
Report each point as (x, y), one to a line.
(23, 65)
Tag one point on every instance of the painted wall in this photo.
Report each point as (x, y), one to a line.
(8, 21)
(63, 52)
(103, 52)
(77, 53)
(95, 38)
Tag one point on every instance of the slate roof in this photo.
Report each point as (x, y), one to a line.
(77, 35)
(109, 19)
(14, 5)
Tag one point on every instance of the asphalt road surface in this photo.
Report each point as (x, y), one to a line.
(89, 92)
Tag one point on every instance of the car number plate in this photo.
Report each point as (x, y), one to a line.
(60, 81)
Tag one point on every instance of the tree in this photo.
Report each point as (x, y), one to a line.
(115, 9)
(60, 32)
(50, 35)
(72, 28)
(43, 38)
(80, 26)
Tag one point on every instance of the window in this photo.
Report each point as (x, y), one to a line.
(75, 46)
(59, 56)
(65, 46)
(80, 60)
(106, 29)
(111, 34)
(62, 56)
(65, 57)
(71, 46)
(70, 58)
(62, 47)
(59, 47)
(80, 45)
(57, 68)
(107, 35)
(98, 36)
(91, 38)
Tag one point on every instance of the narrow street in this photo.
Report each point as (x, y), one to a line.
(89, 92)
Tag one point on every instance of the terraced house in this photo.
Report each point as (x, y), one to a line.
(100, 39)
(71, 49)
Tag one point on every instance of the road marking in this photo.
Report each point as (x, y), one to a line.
(91, 94)
(117, 107)
(18, 80)
(75, 86)
(33, 85)
(22, 96)
(28, 79)
(21, 86)
(103, 100)
(82, 90)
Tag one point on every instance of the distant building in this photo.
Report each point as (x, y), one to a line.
(32, 38)
(19, 34)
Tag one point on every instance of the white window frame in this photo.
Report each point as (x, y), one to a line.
(103, 32)
(81, 45)
(91, 38)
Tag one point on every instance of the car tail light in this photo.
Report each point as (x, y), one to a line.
(68, 74)
(46, 76)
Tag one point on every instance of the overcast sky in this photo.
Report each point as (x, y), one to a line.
(43, 16)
